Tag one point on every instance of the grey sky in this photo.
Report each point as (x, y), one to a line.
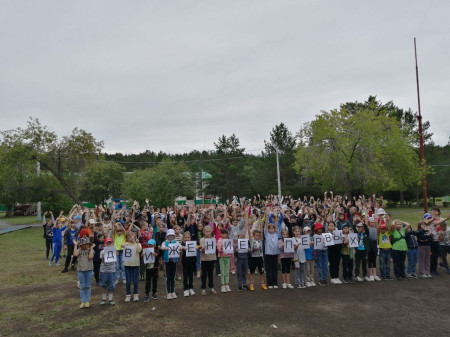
(175, 75)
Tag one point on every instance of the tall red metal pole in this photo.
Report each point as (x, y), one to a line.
(422, 155)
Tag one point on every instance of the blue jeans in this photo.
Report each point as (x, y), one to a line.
(85, 278)
(120, 271)
(322, 264)
(385, 263)
(132, 275)
(412, 255)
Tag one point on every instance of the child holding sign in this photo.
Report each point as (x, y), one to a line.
(107, 272)
(208, 258)
(299, 258)
(334, 255)
(189, 261)
(241, 250)
(271, 258)
(171, 255)
(309, 267)
(131, 261)
(151, 270)
(347, 254)
(256, 259)
(224, 260)
(286, 247)
(321, 252)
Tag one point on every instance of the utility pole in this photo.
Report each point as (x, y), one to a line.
(278, 176)
(38, 172)
(422, 154)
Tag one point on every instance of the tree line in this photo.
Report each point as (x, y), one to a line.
(358, 148)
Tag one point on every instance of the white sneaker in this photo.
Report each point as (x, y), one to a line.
(50, 263)
(284, 286)
(124, 281)
(203, 292)
(290, 286)
(169, 296)
(376, 278)
(308, 284)
(128, 298)
(313, 284)
(223, 289)
(191, 292)
(174, 296)
(338, 281)
(367, 279)
(186, 293)
(333, 281)
(212, 291)
(275, 287)
(270, 287)
(359, 279)
(78, 284)
(135, 297)
(372, 278)
(228, 288)
(233, 272)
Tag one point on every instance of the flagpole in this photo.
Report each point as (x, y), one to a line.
(422, 152)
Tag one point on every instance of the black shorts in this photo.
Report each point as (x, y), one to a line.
(256, 262)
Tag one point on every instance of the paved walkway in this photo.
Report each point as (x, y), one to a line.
(8, 228)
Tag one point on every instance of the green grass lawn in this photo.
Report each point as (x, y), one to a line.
(19, 220)
(412, 215)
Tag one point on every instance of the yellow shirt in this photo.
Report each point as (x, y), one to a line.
(119, 240)
(384, 240)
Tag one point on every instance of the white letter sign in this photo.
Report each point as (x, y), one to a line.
(328, 237)
(353, 240)
(174, 253)
(210, 246)
(337, 236)
(148, 255)
(288, 245)
(109, 254)
(191, 248)
(228, 246)
(128, 253)
(242, 246)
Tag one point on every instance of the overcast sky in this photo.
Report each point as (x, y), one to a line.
(175, 75)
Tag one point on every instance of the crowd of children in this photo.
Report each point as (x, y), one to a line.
(341, 239)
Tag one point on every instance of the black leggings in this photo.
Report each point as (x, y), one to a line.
(271, 262)
(286, 265)
(188, 274)
(334, 257)
(151, 278)
(208, 272)
(171, 268)
(49, 245)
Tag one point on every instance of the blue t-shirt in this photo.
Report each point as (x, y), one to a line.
(73, 236)
(361, 242)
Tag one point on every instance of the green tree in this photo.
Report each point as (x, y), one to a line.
(357, 151)
(65, 158)
(161, 184)
(101, 181)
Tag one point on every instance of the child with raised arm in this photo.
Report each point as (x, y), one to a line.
(85, 256)
(57, 239)
(399, 248)
(347, 254)
(48, 232)
(107, 276)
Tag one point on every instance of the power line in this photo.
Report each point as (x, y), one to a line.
(170, 162)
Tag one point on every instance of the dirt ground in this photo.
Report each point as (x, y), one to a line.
(47, 305)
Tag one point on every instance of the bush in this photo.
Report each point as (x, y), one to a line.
(391, 204)
(445, 204)
(420, 203)
(56, 204)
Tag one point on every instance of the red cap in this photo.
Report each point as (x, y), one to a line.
(84, 232)
(317, 226)
(383, 226)
(108, 240)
